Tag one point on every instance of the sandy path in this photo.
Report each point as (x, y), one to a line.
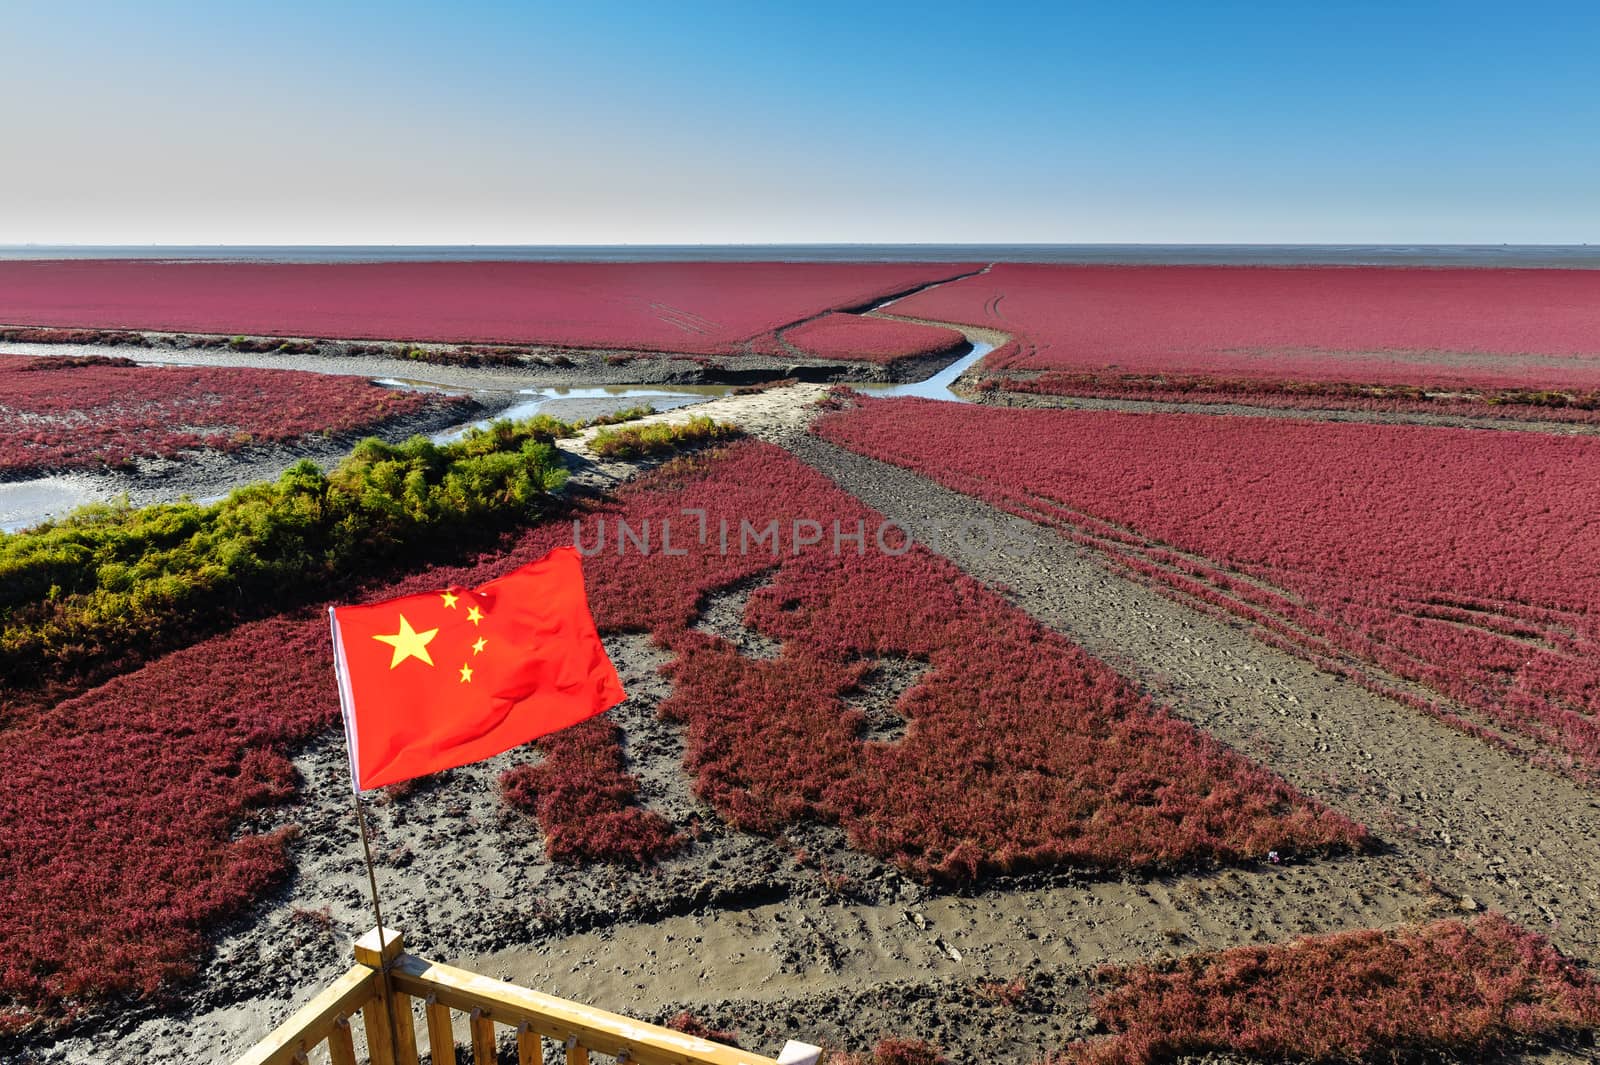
(775, 952)
(779, 415)
(1482, 824)
(1246, 410)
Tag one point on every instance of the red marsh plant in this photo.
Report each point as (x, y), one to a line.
(1455, 559)
(858, 338)
(1307, 336)
(692, 308)
(85, 413)
(1460, 989)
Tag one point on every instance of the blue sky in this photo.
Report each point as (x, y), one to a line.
(748, 122)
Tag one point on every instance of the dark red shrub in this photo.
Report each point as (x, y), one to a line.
(120, 806)
(583, 798)
(894, 1051)
(689, 1024)
(1449, 988)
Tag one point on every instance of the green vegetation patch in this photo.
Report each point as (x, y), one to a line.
(639, 441)
(111, 585)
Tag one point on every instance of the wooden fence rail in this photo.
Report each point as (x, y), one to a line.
(389, 987)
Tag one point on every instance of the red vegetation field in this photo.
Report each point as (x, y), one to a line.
(1449, 988)
(705, 308)
(1346, 334)
(1022, 751)
(118, 807)
(117, 811)
(76, 413)
(1461, 560)
(853, 336)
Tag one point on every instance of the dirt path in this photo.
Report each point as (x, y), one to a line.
(782, 950)
(1246, 410)
(1480, 823)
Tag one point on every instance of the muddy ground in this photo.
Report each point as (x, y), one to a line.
(800, 937)
(521, 367)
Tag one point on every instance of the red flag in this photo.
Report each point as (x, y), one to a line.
(429, 682)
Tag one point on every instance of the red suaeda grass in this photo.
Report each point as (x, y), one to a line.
(65, 414)
(859, 338)
(893, 1051)
(583, 795)
(1450, 988)
(119, 808)
(1455, 559)
(705, 308)
(1390, 337)
(1022, 751)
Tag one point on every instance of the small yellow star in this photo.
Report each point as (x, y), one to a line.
(408, 643)
(478, 647)
(449, 600)
(474, 615)
(466, 673)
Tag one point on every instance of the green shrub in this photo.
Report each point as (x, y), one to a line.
(637, 441)
(114, 584)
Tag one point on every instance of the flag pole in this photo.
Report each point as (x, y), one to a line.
(377, 912)
(372, 876)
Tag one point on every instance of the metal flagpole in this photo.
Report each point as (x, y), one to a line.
(372, 876)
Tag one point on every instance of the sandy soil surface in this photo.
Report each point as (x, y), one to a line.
(800, 937)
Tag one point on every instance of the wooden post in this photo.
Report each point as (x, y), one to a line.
(405, 1030)
(576, 1054)
(341, 1044)
(482, 1038)
(530, 1048)
(441, 1038)
(378, 1022)
(378, 950)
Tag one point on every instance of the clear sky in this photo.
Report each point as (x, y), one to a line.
(593, 122)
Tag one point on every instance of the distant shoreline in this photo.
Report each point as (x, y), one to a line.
(1569, 256)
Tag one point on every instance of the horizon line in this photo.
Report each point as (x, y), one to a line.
(833, 244)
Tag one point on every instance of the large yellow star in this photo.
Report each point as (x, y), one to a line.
(408, 643)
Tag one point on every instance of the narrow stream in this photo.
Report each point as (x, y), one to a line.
(27, 503)
(936, 387)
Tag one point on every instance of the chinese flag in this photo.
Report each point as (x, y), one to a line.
(433, 681)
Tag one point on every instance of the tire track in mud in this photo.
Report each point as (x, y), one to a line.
(1488, 828)
(774, 953)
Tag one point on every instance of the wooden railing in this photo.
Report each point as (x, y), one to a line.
(392, 990)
